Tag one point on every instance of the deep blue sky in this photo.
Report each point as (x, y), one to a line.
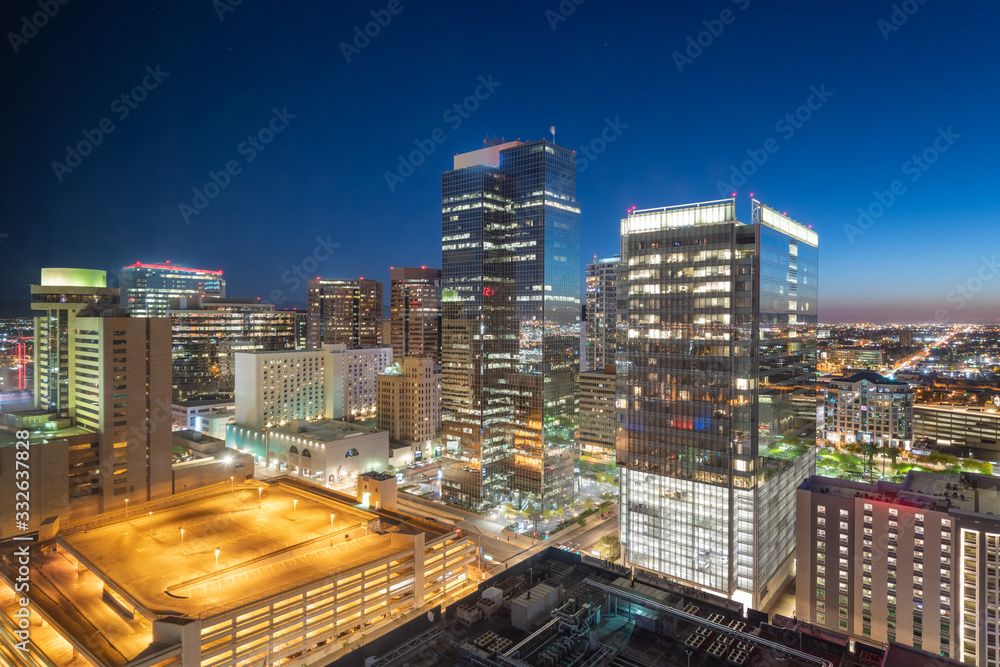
(323, 175)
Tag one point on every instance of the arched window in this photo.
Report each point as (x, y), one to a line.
(305, 453)
(351, 452)
(293, 450)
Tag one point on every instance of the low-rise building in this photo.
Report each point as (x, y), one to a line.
(185, 412)
(972, 432)
(838, 358)
(323, 451)
(224, 577)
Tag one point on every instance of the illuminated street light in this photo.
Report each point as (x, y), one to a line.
(151, 522)
(232, 484)
(217, 559)
(331, 523)
(182, 538)
(295, 508)
(260, 489)
(126, 509)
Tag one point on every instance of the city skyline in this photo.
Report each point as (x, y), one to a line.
(872, 91)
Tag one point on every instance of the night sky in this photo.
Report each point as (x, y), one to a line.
(684, 117)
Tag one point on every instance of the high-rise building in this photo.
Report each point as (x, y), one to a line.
(868, 408)
(409, 400)
(100, 430)
(914, 562)
(716, 393)
(415, 307)
(61, 295)
(345, 312)
(334, 382)
(511, 264)
(208, 332)
(597, 414)
(600, 325)
(147, 289)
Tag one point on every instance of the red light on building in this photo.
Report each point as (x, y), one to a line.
(488, 291)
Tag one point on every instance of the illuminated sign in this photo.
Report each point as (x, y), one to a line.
(488, 291)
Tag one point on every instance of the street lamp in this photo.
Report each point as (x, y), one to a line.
(331, 523)
(151, 523)
(295, 508)
(182, 538)
(216, 559)
(126, 509)
(689, 652)
(260, 490)
(232, 484)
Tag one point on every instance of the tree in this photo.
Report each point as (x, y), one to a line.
(582, 521)
(610, 547)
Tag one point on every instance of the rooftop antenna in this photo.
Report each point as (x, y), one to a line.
(552, 129)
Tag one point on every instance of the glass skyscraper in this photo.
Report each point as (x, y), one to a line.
(716, 393)
(148, 289)
(511, 268)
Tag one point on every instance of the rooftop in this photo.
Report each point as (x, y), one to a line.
(323, 430)
(965, 492)
(870, 376)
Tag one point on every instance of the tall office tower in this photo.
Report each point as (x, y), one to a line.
(601, 322)
(716, 393)
(415, 307)
(345, 311)
(869, 409)
(409, 400)
(511, 258)
(62, 294)
(147, 289)
(914, 563)
(208, 332)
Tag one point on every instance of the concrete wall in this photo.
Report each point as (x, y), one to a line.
(196, 474)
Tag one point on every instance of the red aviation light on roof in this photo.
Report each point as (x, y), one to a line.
(141, 265)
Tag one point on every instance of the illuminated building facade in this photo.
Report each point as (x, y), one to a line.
(510, 263)
(868, 408)
(208, 332)
(415, 307)
(972, 432)
(601, 319)
(333, 572)
(336, 382)
(61, 295)
(915, 563)
(409, 400)
(147, 289)
(597, 414)
(100, 430)
(716, 393)
(347, 312)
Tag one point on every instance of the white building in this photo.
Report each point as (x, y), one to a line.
(322, 451)
(274, 388)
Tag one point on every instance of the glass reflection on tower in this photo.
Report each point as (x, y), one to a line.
(511, 259)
